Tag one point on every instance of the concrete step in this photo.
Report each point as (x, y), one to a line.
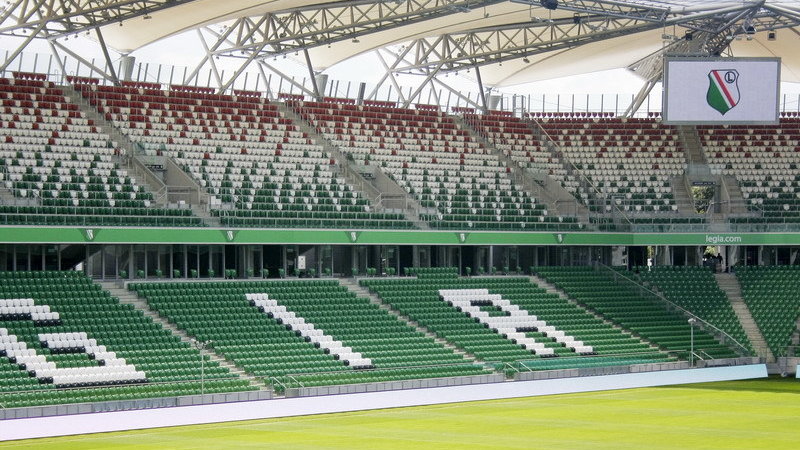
(376, 190)
(6, 196)
(692, 145)
(683, 198)
(150, 181)
(353, 285)
(737, 203)
(730, 285)
(131, 298)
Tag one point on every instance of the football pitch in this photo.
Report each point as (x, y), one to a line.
(742, 414)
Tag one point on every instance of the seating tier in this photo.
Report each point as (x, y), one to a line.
(171, 367)
(627, 308)
(65, 167)
(771, 295)
(764, 159)
(433, 159)
(418, 298)
(695, 289)
(257, 342)
(258, 167)
(629, 160)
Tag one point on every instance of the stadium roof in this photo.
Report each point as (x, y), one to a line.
(511, 41)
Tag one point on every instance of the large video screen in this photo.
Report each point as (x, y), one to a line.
(721, 90)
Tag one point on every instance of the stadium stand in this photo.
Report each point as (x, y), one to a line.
(763, 158)
(629, 159)
(771, 295)
(64, 340)
(517, 139)
(265, 343)
(695, 289)
(624, 306)
(62, 169)
(420, 298)
(434, 160)
(258, 168)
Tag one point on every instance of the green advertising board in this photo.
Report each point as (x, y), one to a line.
(99, 235)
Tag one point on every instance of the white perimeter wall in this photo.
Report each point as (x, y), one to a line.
(287, 407)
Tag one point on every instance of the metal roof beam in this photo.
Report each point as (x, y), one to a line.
(295, 29)
(64, 17)
(458, 51)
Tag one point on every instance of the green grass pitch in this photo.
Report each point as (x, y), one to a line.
(742, 414)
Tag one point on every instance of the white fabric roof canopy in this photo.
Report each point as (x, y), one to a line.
(606, 54)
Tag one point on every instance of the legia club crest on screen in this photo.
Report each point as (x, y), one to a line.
(723, 90)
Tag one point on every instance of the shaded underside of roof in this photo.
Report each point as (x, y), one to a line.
(613, 51)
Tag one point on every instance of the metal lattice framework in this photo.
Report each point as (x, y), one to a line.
(592, 23)
(63, 17)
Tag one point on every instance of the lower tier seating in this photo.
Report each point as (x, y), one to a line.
(640, 315)
(771, 295)
(64, 340)
(695, 289)
(247, 322)
(420, 299)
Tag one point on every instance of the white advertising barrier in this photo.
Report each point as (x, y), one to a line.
(721, 90)
(287, 407)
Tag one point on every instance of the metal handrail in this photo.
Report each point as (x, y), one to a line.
(519, 175)
(705, 324)
(298, 382)
(574, 169)
(149, 383)
(522, 362)
(274, 380)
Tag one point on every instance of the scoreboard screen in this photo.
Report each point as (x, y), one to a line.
(721, 90)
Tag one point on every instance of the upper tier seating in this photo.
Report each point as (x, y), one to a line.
(437, 162)
(630, 160)
(624, 306)
(267, 343)
(765, 160)
(55, 157)
(421, 300)
(63, 331)
(260, 170)
(695, 289)
(517, 140)
(771, 295)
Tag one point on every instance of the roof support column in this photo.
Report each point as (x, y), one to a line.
(210, 59)
(288, 79)
(109, 64)
(250, 58)
(312, 75)
(221, 39)
(431, 76)
(457, 93)
(641, 96)
(389, 74)
(55, 45)
(480, 88)
(59, 61)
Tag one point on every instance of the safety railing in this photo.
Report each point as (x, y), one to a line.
(201, 383)
(692, 319)
(296, 380)
(586, 185)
